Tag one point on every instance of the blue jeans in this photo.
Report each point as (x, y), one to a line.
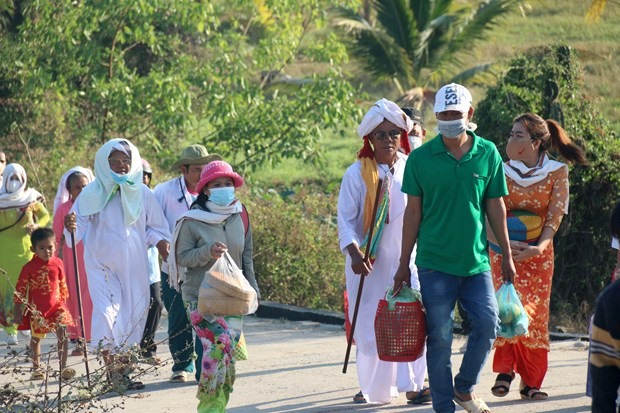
(440, 292)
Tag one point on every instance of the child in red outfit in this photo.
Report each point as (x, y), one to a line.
(40, 300)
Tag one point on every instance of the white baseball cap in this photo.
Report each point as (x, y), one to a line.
(453, 97)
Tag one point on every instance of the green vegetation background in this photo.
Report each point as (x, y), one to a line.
(547, 23)
(293, 203)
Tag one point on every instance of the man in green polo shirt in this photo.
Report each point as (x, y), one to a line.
(454, 184)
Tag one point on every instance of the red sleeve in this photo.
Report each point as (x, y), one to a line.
(62, 282)
(21, 289)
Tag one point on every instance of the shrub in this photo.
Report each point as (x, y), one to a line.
(296, 255)
(547, 81)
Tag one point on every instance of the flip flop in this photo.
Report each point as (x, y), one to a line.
(423, 396)
(359, 398)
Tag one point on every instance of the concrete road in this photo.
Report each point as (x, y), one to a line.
(296, 366)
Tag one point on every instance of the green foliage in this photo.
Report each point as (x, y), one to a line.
(168, 73)
(547, 81)
(420, 43)
(297, 260)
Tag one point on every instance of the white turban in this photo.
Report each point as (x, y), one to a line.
(384, 109)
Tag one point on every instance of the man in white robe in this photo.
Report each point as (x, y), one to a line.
(118, 218)
(384, 127)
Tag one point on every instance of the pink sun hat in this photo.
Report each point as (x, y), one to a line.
(218, 169)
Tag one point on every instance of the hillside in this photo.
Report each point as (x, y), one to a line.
(545, 23)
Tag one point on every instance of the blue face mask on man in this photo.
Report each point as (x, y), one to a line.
(222, 196)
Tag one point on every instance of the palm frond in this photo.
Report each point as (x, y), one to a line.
(469, 29)
(379, 53)
(471, 73)
(396, 19)
(435, 41)
(348, 20)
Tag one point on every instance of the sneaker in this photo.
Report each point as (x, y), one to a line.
(12, 340)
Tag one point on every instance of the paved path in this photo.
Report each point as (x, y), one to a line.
(297, 367)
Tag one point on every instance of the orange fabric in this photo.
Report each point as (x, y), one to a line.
(531, 364)
(533, 279)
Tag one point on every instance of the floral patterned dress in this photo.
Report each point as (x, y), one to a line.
(533, 279)
(217, 375)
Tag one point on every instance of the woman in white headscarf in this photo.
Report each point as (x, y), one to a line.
(118, 218)
(21, 212)
(384, 131)
(70, 186)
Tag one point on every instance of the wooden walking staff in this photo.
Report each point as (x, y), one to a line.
(362, 277)
(79, 297)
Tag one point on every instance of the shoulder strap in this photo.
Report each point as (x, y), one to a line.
(245, 219)
(19, 218)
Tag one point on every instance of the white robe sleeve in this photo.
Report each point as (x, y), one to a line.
(157, 227)
(350, 207)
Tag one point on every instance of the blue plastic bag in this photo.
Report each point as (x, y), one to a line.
(512, 315)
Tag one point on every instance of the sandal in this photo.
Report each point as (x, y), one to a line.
(152, 360)
(502, 384)
(532, 393)
(178, 377)
(359, 398)
(475, 405)
(421, 397)
(37, 374)
(134, 385)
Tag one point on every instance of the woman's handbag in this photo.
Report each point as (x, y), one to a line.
(524, 226)
(225, 291)
(512, 315)
(400, 326)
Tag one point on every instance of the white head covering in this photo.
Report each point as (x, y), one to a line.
(96, 195)
(21, 197)
(62, 194)
(384, 109)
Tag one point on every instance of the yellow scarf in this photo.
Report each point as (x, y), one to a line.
(370, 175)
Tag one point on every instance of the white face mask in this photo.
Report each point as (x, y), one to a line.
(452, 129)
(415, 141)
(13, 186)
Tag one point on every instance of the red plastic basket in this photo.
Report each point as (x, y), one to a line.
(400, 333)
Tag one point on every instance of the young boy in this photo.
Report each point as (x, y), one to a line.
(40, 300)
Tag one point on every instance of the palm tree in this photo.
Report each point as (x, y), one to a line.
(418, 43)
